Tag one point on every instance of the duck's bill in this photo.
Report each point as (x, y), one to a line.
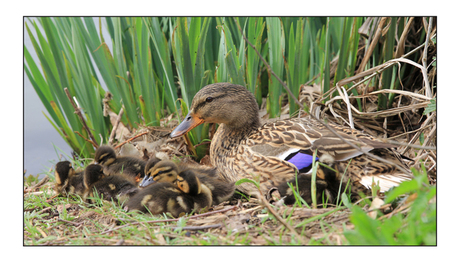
(146, 181)
(188, 124)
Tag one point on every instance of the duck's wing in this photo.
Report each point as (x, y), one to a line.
(287, 136)
(269, 171)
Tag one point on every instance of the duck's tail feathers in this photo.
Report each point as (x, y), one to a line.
(385, 182)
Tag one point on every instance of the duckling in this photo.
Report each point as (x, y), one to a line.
(167, 171)
(159, 171)
(187, 194)
(221, 190)
(190, 184)
(160, 198)
(67, 180)
(325, 186)
(117, 187)
(132, 166)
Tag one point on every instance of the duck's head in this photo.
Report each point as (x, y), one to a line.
(92, 174)
(221, 103)
(163, 171)
(105, 155)
(188, 182)
(63, 171)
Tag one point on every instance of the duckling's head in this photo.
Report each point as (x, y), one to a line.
(63, 171)
(188, 182)
(222, 103)
(163, 171)
(105, 155)
(92, 174)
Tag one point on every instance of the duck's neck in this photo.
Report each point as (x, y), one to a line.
(227, 140)
(238, 129)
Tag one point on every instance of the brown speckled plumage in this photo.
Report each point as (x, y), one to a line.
(242, 147)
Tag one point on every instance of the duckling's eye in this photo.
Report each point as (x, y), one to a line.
(209, 99)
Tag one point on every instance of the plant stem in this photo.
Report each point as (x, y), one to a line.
(83, 122)
(112, 134)
(424, 59)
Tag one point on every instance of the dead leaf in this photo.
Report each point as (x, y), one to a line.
(60, 207)
(238, 222)
(376, 203)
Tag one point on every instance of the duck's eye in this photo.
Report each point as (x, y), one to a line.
(209, 99)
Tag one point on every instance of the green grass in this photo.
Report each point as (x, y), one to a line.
(414, 224)
(71, 221)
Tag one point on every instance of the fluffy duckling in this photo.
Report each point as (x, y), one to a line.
(187, 194)
(160, 198)
(114, 187)
(303, 187)
(67, 180)
(159, 171)
(132, 166)
(221, 190)
(167, 171)
(190, 184)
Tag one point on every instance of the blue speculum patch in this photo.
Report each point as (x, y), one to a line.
(301, 160)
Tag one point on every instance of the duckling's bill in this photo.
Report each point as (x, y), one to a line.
(146, 181)
(191, 121)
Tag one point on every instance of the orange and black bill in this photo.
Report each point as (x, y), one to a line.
(188, 124)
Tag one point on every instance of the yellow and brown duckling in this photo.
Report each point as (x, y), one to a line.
(189, 183)
(243, 148)
(221, 190)
(67, 180)
(117, 187)
(187, 194)
(168, 171)
(105, 155)
(159, 171)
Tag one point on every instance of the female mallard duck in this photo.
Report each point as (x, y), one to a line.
(117, 187)
(274, 152)
(187, 194)
(67, 180)
(132, 166)
(168, 171)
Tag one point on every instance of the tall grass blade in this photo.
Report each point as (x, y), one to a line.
(276, 42)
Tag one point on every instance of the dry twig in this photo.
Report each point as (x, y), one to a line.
(278, 217)
(126, 141)
(83, 122)
(90, 141)
(424, 59)
(112, 134)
